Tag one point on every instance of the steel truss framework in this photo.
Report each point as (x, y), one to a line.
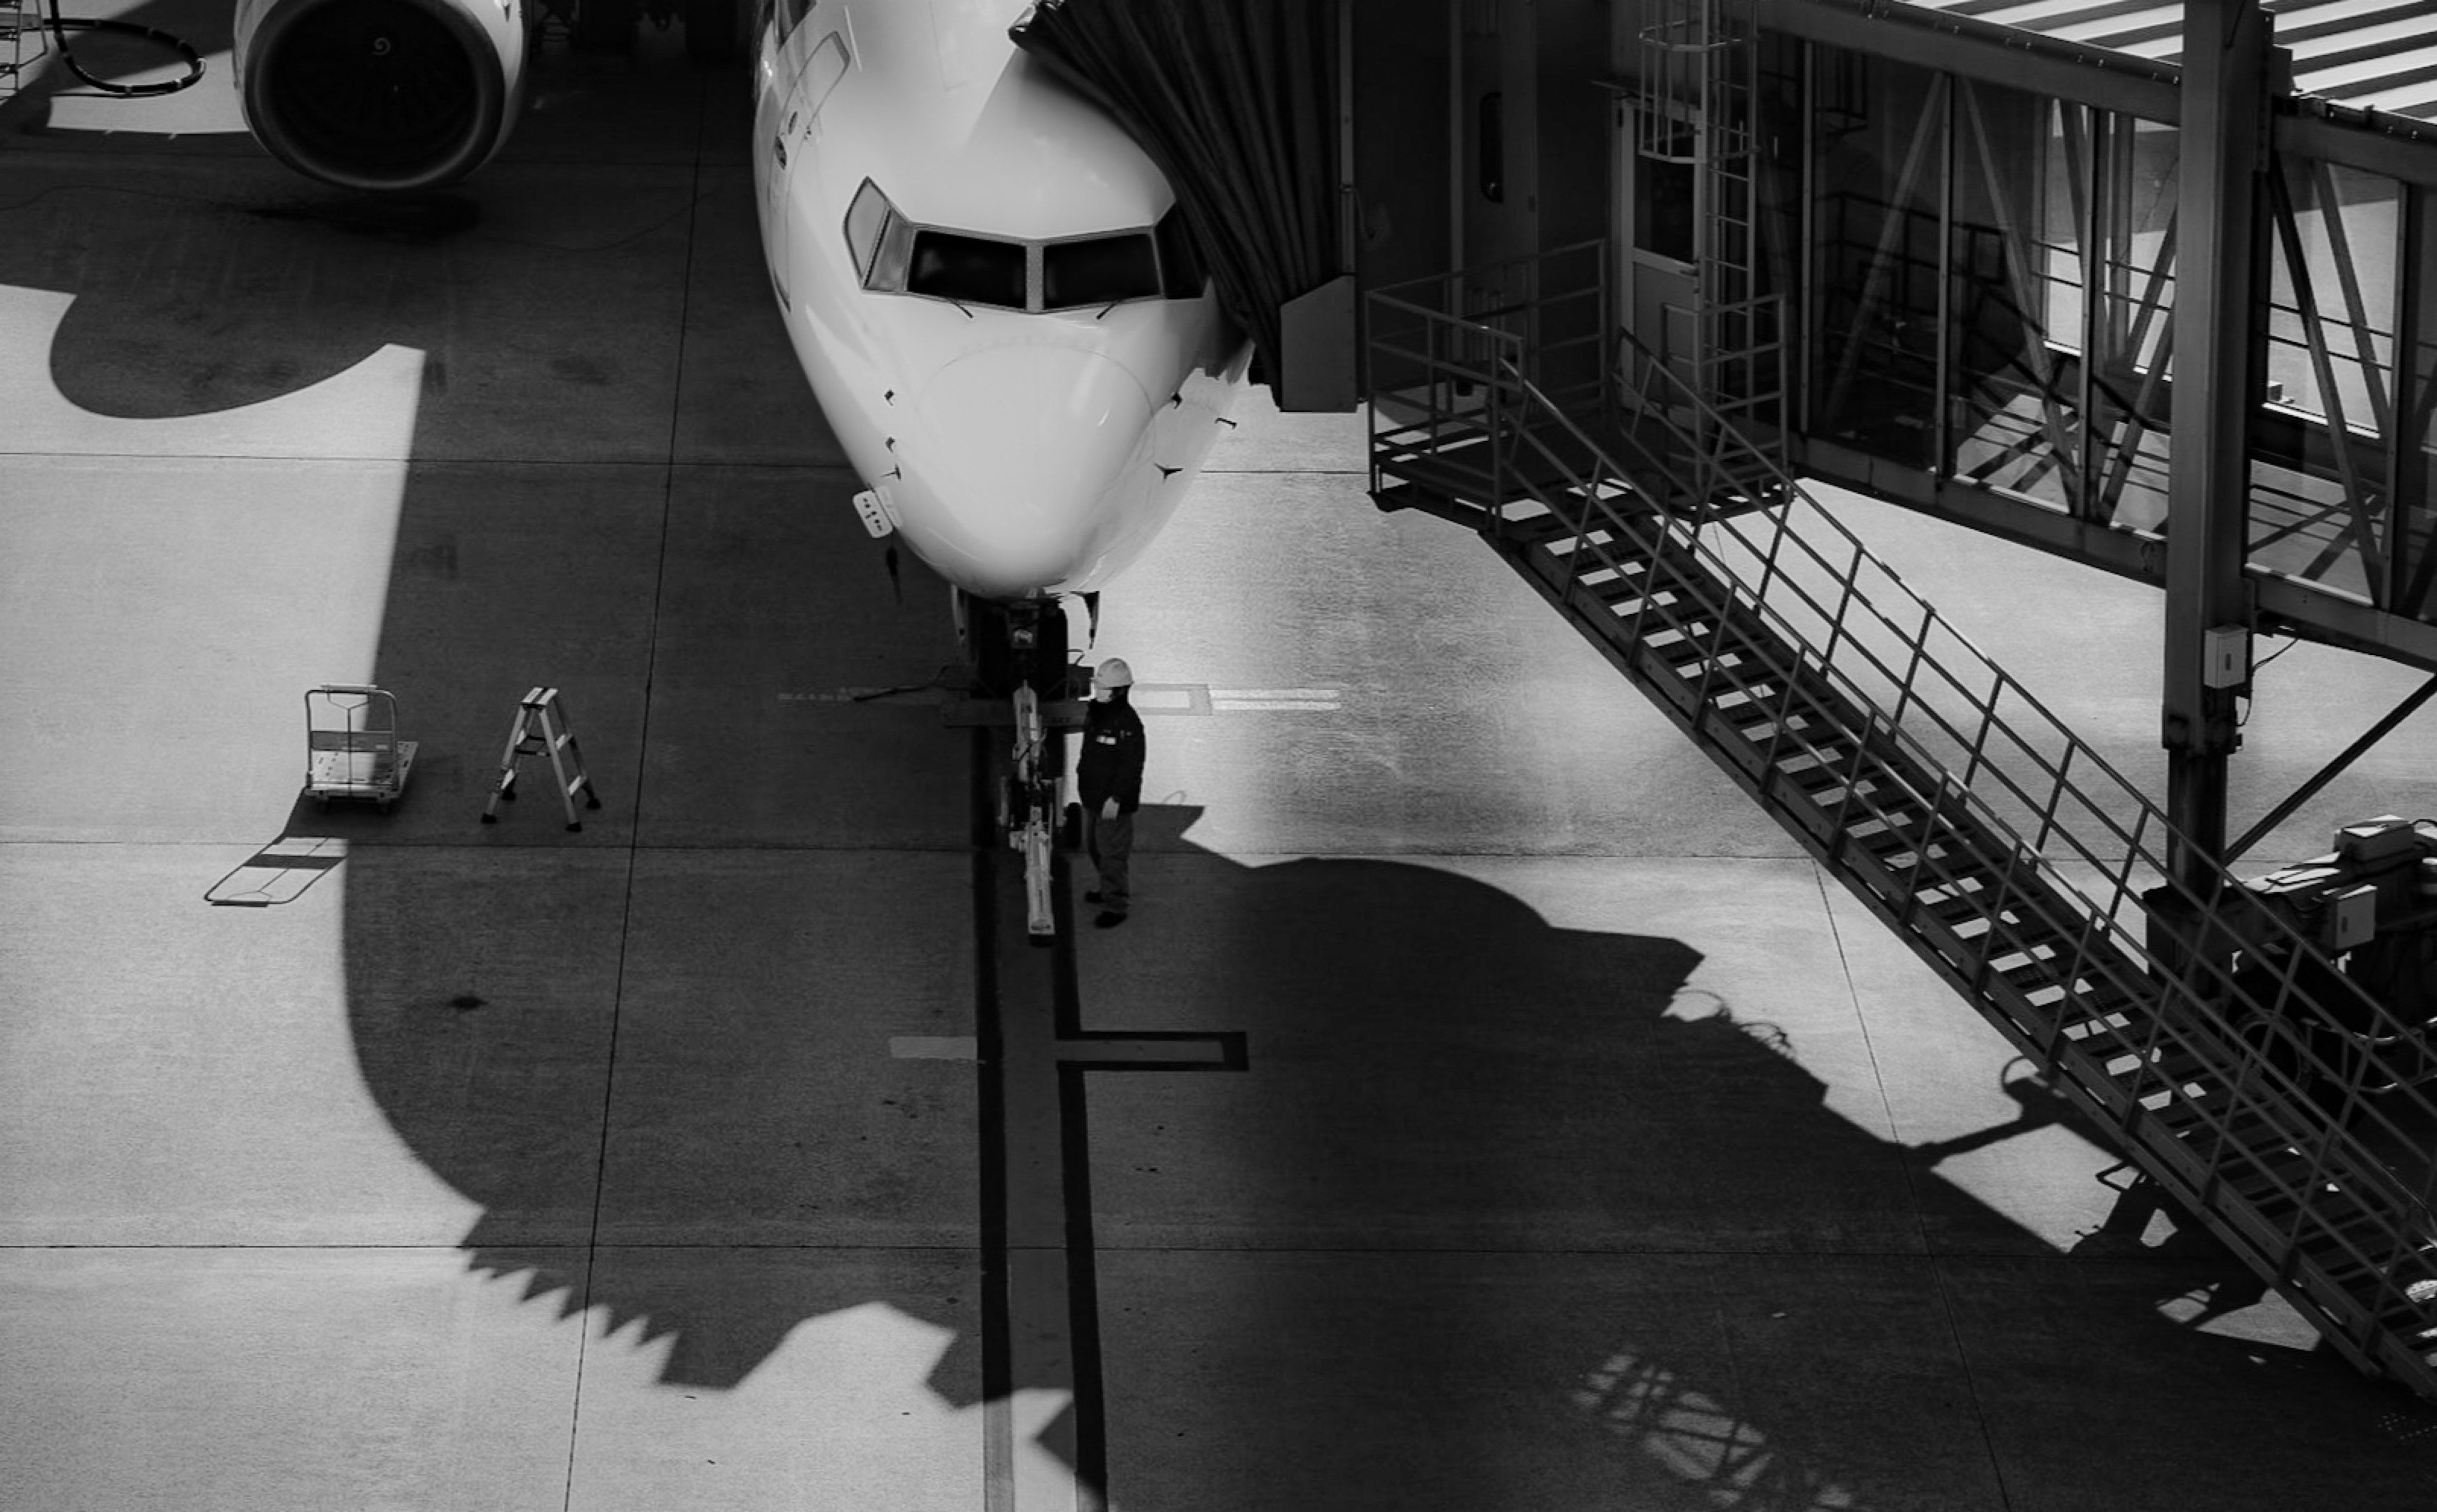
(1984, 278)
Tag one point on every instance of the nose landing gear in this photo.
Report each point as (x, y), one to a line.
(1017, 652)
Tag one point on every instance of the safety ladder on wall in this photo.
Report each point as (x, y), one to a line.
(2245, 1075)
(1700, 107)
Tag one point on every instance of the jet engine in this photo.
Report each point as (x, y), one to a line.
(382, 94)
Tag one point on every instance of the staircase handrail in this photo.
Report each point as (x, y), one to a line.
(2362, 1167)
(2391, 1253)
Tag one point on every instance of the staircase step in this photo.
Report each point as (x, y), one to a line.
(2267, 1186)
(1448, 503)
(2106, 1038)
(2349, 1238)
(1562, 543)
(1536, 529)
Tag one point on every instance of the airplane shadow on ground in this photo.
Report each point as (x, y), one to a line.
(1434, 1068)
(1465, 1068)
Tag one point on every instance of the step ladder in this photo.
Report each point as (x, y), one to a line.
(2242, 1073)
(541, 728)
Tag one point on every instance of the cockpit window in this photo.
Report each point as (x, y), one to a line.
(1179, 268)
(1100, 270)
(823, 70)
(864, 221)
(969, 270)
(894, 255)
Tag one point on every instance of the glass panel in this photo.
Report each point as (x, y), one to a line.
(2318, 477)
(1879, 168)
(971, 269)
(1180, 266)
(1662, 195)
(2013, 353)
(2131, 357)
(1491, 153)
(823, 70)
(863, 220)
(1100, 271)
(2416, 533)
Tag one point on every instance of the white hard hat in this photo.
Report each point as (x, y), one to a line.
(1115, 673)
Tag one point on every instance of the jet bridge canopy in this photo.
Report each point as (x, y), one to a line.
(2359, 55)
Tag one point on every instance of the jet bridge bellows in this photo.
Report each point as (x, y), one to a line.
(1237, 103)
(2246, 1075)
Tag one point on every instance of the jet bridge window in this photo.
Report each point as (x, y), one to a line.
(969, 270)
(1099, 271)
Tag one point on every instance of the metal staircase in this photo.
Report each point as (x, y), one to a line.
(2234, 1064)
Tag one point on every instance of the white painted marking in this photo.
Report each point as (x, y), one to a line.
(1161, 697)
(1244, 706)
(932, 1048)
(1329, 693)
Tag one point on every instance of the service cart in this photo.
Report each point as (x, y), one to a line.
(352, 749)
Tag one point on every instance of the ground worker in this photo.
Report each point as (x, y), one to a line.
(1108, 779)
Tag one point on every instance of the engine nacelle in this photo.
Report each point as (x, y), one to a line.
(382, 94)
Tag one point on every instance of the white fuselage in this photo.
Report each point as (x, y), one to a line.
(1017, 450)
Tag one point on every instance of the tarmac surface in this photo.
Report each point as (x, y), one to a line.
(1484, 1109)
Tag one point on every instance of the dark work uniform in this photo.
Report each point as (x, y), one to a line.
(1110, 767)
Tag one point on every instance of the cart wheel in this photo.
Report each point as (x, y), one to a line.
(591, 799)
(576, 827)
(382, 805)
(490, 818)
(321, 803)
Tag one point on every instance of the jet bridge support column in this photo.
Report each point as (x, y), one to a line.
(2216, 383)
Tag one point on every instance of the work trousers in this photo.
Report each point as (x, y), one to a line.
(1110, 845)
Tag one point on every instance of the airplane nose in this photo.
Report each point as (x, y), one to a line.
(1022, 445)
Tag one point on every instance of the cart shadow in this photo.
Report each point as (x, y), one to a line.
(284, 870)
(314, 840)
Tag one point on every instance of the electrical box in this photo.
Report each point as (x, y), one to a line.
(872, 504)
(2352, 917)
(2228, 652)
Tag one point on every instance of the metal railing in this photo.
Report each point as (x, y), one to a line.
(2263, 1091)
